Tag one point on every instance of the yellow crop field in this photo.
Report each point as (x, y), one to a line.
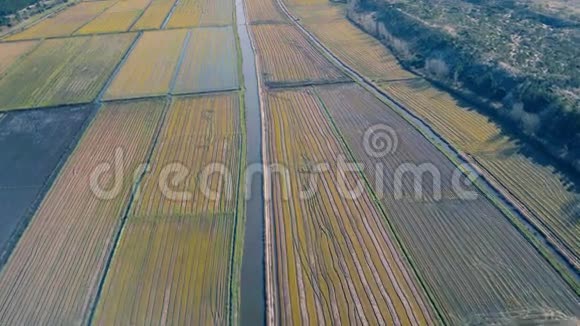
(66, 22)
(335, 259)
(150, 66)
(11, 52)
(264, 11)
(459, 245)
(173, 261)
(540, 189)
(154, 16)
(210, 62)
(359, 50)
(117, 18)
(63, 71)
(195, 13)
(52, 275)
(287, 57)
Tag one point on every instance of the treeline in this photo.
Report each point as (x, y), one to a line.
(534, 105)
(9, 7)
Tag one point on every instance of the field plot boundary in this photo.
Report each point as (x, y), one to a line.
(140, 15)
(125, 215)
(91, 20)
(7, 250)
(169, 14)
(561, 264)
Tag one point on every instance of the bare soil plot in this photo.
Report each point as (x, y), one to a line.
(288, 58)
(52, 274)
(210, 62)
(150, 67)
(63, 71)
(195, 13)
(174, 257)
(335, 258)
(155, 15)
(46, 137)
(476, 264)
(66, 22)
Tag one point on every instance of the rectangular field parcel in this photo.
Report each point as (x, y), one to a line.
(155, 15)
(63, 71)
(46, 136)
(150, 67)
(172, 265)
(475, 263)
(336, 261)
(66, 22)
(52, 275)
(195, 13)
(117, 18)
(543, 191)
(11, 52)
(210, 62)
(288, 58)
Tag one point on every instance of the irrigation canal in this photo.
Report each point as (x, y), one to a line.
(253, 290)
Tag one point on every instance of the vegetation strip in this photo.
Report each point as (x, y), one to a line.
(564, 270)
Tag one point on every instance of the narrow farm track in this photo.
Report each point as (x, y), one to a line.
(559, 260)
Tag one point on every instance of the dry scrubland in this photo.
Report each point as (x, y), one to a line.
(211, 67)
(52, 275)
(475, 263)
(66, 22)
(11, 52)
(150, 67)
(173, 261)
(117, 18)
(62, 71)
(288, 58)
(336, 261)
(540, 189)
(195, 13)
(155, 15)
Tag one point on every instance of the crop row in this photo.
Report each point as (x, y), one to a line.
(195, 13)
(62, 71)
(541, 189)
(336, 261)
(53, 272)
(287, 57)
(472, 259)
(172, 265)
(264, 11)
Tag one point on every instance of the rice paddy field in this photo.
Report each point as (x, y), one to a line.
(173, 261)
(474, 262)
(553, 204)
(208, 68)
(288, 58)
(150, 67)
(25, 175)
(336, 260)
(66, 22)
(62, 71)
(11, 52)
(118, 18)
(52, 275)
(264, 12)
(196, 13)
(154, 15)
